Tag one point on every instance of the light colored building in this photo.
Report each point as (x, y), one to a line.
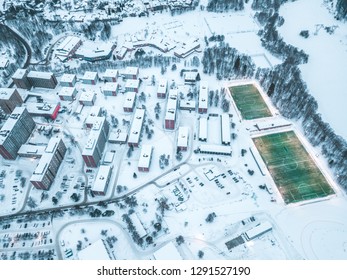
(90, 78)
(258, 230)
(187, 48)
(140, 229)
(47, 110)
(68, 80)
(67, 93)
(129, 102)
(118, 137)
(171, 110)
(110, 89)
(96, 251)
(131, 73)
(145, 158)
(31, 151)
(203, 129)
(136, 127)
(187, 105)
(183, 138)
(203, 97)
(68, 46)
(95, 111)
(215, 149)
(111, 75)
(132, 85)
(4, 62)
(9, 99)
(162, 88)
(191, 77)
(91, 51)
(168, 252)
(87, 98)
(225, 129)
(102, 180)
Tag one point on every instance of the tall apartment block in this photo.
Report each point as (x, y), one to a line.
(20, 79)
(42, 79)
(92, 152)
(49, 164)
(15, 132)
(9, 99)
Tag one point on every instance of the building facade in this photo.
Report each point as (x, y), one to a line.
(42, 79)
(20, 79)
(9, 99)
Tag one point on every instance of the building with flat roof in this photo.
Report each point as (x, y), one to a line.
(187, 105)
(131, 73)
(191, 77)
(68, 46)
(15, 132)
(68, 80)
(203, 129)
(168, 252)
(90, 78)
(91, 51)
(118, 137)
(132, 85)
(31, 151)
(171, 110)
(111, 75)
(94, 148)
(187, 49)
(67, 93)
(96, 251)
(47, 169)
(129, 101)
(136, 127)
(20, 79)
(162, 88)
(203, 97)
(42, 79)
(87, 98)
(110, 89)
(9, 99)
(182, 138)
(46, 110)
(102, 180)
(145, 158)
(215, 149)
(225, 129)
(258, 230)
(139, 228)
(95, 111)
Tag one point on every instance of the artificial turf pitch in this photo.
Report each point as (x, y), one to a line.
(296, 175)
(249, 102)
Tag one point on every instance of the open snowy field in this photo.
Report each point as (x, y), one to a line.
(325, 72)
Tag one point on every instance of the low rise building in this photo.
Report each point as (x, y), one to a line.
(145, 158)
(203, 129)
(46, 110)
(215, 149)
(118, 137)
(95, 111)
(225, 129)
(162, 88)
(98, 250)
(203, 97)
(9, 99)
(168, 252)
(188, 105)
(110, 89)
(187, 49)
(191, 77)
(182, 138)
(102, 180)
(68, 80)
(111, 75)
(132, 85)
(90, 78)
(90, 51)
(171, 108)
(68, 46)
(129, 102)
(87, 98)
(136, 127)
(31, 151)
(131, 73)
(67, 93)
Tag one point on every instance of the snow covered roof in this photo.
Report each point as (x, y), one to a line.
(10, 123)
(101, 180)
(162, 86)
(40, 75)
(91, 50)
(90, 76)
(3, 62)
(41, 108)
(19, 74)
(203, 95)
(68, 44)
(145, 157)
(131, 70)
(136, 126)
(95, 111)
(167, 252)
(96, 251)
(129, 99)
(87, 96)
(67, 91)
(190, 76)
(132, 83)
(182, 138)
(171, 105)
(203, 128)
(258, 230)
(111, 73)
(218, 149)
(33, 150)
(118, 137)
(110, 87)
(138, 225)
(225, 127)
(68, 78)
(94, 135)
(6, 93)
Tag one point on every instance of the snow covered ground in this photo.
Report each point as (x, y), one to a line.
(325, 72)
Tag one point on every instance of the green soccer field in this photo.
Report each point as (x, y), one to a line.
(296, 175)
(249, 102)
